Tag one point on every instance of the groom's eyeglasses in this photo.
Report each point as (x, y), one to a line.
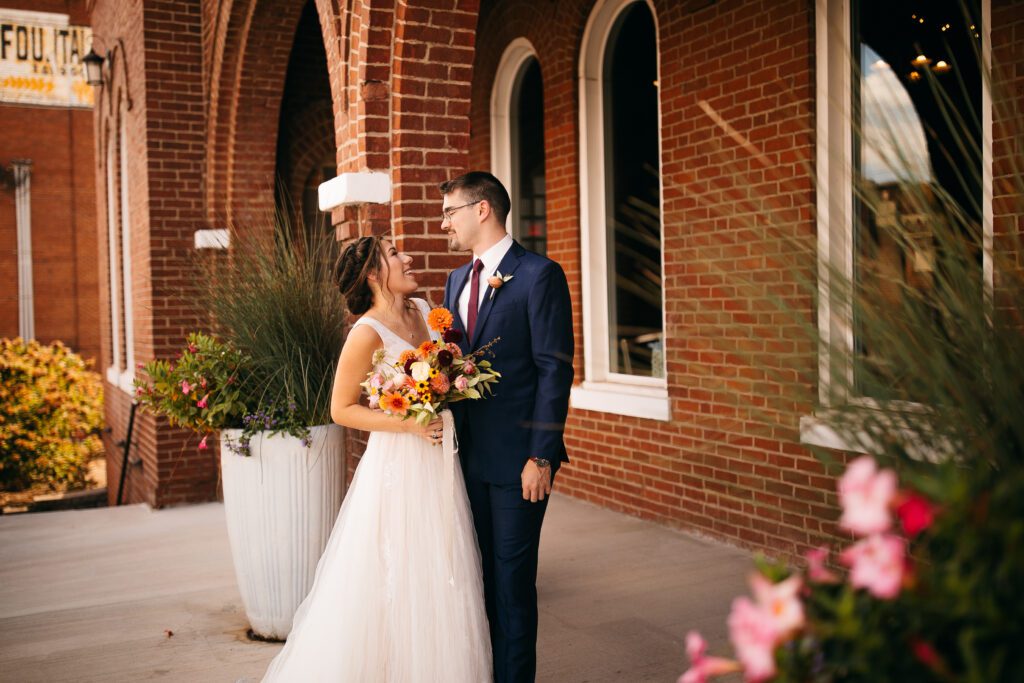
(447, 214)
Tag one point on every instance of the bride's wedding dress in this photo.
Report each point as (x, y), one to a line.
(398, 593)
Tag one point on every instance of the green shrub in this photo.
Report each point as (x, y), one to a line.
(51, 413)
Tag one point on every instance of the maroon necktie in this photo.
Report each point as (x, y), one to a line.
(474, 297)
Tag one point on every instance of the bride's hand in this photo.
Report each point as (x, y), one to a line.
(432, 432)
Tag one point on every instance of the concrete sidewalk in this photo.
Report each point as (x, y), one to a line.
(94, 595)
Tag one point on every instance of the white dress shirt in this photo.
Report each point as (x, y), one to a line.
(491, 260)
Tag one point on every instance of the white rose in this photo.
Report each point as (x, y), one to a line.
(420, 371)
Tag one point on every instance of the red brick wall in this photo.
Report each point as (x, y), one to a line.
(59, 142)
(728, 463)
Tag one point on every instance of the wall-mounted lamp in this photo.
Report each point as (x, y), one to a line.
(94, 75)
(93, 68)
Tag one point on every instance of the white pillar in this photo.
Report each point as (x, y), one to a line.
(22, 169)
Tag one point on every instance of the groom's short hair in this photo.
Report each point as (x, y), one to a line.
(478, 186)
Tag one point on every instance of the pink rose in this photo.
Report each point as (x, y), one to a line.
(702, 667)
(877, 564)
(461, 383)
(468, 368)
(865, 494)
(753, 637)
(185, 387)
(916, 513)
(816, 569)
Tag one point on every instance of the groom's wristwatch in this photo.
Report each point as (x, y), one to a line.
(542, 463)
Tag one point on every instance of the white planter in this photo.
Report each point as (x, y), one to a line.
(280, 503)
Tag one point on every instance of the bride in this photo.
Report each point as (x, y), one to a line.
(398, 593)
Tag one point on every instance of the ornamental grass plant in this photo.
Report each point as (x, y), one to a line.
(924, 350)
(266, 360)
(273, 299)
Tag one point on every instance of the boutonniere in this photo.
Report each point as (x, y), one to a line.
(496, 281)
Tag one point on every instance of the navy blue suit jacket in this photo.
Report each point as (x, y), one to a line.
(526, 415)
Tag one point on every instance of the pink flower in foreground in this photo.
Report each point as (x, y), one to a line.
(185, 387)
(925, 653)
(753, 636)
(201, 403)
(916, 513)
(816, 569)
(878, 564)
(781, 603)
(468, 368)
(202, 444)
(865, 493)
(461, 383)
(702, 667)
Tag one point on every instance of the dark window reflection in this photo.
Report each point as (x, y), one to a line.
(528, 162)
(917, 167)
(633, 191)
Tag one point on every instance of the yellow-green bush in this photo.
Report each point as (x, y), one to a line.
(51, 413)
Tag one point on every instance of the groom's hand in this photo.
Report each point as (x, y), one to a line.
(536, 482)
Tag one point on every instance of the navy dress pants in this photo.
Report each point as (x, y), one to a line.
(508, 531)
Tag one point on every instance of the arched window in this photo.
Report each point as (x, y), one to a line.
(620, 192)
(517, 142)
(128, 368)
(114, 257)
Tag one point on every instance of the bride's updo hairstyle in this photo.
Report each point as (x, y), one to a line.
(360, 259)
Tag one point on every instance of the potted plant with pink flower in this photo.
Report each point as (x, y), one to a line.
(263, 382)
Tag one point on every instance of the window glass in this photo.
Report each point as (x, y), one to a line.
(633, 189)
(917, 168)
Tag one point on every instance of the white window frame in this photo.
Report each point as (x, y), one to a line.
(601, 389)
(504, 123)
(834, 162)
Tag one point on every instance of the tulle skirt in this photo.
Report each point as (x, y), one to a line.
(398, 593)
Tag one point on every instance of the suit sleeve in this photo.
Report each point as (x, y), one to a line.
(551, 339)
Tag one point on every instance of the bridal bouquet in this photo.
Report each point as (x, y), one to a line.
(425, 380)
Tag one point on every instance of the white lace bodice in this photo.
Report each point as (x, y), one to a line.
(394, 345)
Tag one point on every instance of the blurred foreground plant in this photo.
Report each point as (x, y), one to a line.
(51, 413)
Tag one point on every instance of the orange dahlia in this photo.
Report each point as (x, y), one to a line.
(394, 402)
(406, 356)
(440, 384)
(439, 319)
(426, 348)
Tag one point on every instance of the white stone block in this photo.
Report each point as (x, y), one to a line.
(212, 239)
(355, 188)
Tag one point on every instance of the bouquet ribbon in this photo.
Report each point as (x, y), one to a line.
(450, 446)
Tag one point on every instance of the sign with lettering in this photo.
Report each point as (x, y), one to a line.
(41, 60)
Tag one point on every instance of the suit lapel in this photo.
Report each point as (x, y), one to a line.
(460, 279)
(507, 266)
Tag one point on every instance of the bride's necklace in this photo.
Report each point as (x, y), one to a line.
(400, 329)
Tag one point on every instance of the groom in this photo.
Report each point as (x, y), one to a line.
(511, 443)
